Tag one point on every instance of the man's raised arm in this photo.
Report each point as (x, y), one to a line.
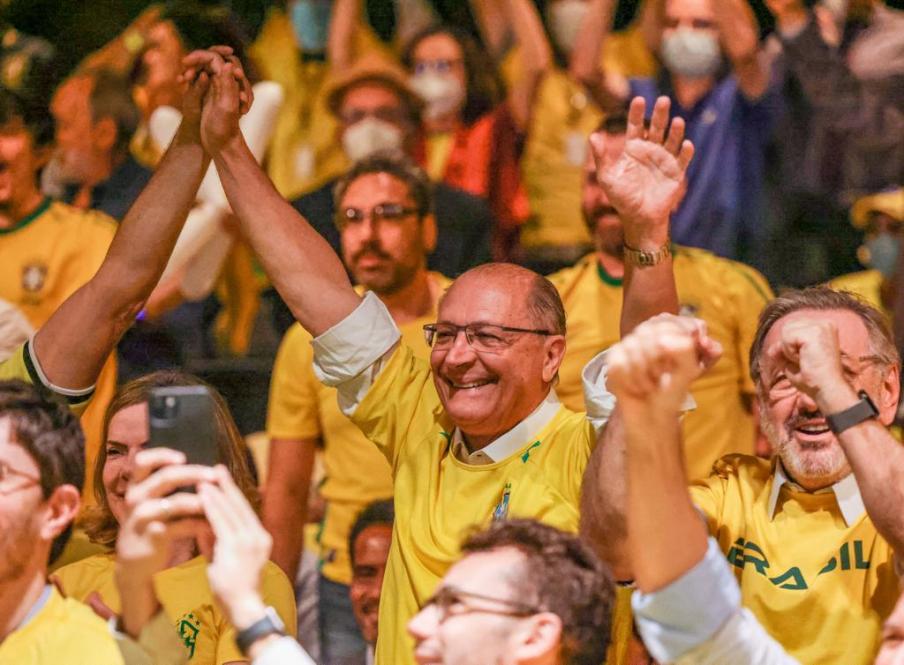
(303, 267)
(644, 185)
(73, 344)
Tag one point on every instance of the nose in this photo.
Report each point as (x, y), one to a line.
(129, 465)
(423, 624)
(805, 403)
(461, 352)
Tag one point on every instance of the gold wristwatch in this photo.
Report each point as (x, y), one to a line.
(644, 258)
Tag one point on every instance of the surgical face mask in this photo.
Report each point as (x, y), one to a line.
(370, 135)
(881, 253)
(443, 93)
(691, 52)
(565, 19)
(311, 23)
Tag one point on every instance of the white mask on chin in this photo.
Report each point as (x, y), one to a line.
(443, 93)
(370, 135)
(565, 19)
(691, 52)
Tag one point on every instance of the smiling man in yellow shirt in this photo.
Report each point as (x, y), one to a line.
(478, 434)
(726, 294)
(385, 248)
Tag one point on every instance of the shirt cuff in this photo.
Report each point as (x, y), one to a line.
(690, 610)
(354, 344)
(598, 401)
(282, 651)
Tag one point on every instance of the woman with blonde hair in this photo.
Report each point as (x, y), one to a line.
(182, 588)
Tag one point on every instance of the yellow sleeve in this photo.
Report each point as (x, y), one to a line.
(292, 411)
(400, 406)
(751, 293)
(708, 494)
(21, 366)
(276, 592)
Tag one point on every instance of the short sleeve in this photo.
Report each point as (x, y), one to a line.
(751, 293)
(293, 407)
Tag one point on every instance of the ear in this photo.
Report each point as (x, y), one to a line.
(539, 640)
(554, 348)
(62, 507)
(105, 132)
(428, 233)
(889, 393)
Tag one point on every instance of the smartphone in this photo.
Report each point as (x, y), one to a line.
(182, 418)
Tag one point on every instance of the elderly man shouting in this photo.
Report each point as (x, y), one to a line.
(477, 434)
(812, 535)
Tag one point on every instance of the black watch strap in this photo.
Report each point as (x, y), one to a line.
(269, 624)
(854, 415)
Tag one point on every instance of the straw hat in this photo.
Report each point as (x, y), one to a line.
(371, 68)
(890, 202)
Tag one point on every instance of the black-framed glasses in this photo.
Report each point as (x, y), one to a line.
(382, 212)
(450, 600)
(487, 337)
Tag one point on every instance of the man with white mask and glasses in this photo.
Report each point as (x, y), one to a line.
(718, 81)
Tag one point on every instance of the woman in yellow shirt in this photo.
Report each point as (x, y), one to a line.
(183, 587)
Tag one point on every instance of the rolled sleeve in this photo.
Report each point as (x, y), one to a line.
(598, 401)
(349, 355)
(689, 611)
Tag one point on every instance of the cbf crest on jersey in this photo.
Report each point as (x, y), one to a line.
(33, 277)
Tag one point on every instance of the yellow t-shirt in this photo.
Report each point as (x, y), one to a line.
(439, 499)
(304, 152)
(186, 598)
(303, 408)
(20, 366)
(63, 631)
(867, 284)
(46, 257)
(726, 294)
(818, 586)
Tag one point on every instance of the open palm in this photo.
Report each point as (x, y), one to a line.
(645, 183)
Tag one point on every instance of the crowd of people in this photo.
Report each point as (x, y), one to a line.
(511, 280)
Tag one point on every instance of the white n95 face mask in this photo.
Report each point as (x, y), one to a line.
(691, 52)
(565, 19)
(443, 93)
(370, 135)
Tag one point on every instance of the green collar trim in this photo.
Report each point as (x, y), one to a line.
(28, 219)
(606, 278)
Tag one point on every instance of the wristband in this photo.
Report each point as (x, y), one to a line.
(854, 415)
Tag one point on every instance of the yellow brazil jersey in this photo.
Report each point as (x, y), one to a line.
(867, 284)
(63, 631)
(303, 408)
(439, 499)
(186, 598)
(304, 152)
(818, 586)
(46, 257)
(726, 294)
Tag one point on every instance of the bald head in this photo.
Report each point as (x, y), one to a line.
(541, 299)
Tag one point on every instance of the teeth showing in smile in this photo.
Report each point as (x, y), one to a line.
(813, 429)
(465, 386)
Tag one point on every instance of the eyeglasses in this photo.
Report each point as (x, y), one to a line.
(8, 473)
(382, 212)
(486, 337)
(449, 600)
(440, 66)
(782, 387)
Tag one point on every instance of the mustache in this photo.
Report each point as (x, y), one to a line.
(371, 248)
(798, 419)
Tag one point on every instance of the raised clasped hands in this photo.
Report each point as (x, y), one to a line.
(645, 184)
(218, 94)
(654, 366)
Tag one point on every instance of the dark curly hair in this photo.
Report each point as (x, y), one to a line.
(563, 576)
(484, 86)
